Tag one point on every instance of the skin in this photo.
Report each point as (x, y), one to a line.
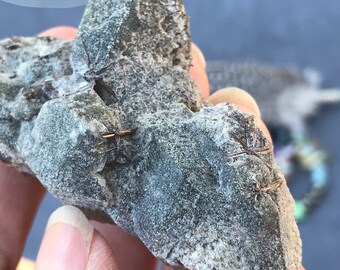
(65, 246)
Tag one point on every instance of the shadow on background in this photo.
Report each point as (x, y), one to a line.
(287, 33)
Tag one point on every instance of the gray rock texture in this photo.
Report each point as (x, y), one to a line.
(113, 124)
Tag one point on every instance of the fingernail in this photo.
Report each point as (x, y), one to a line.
(196, 51)
(67, 240)
(72, 216)
(238, 97)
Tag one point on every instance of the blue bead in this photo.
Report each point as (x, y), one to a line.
(319, 175)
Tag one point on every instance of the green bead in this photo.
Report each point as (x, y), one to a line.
(300, 211)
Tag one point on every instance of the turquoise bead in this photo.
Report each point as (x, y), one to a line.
(319, 175)
(300, 211)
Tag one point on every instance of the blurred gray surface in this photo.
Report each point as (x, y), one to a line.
(292, 33)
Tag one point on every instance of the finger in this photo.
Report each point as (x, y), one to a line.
(244, 101)
(197, 71)
(64, 32)
(197, 53)
(71, 242)
(130, 252)
(19, 201)
(237, 97)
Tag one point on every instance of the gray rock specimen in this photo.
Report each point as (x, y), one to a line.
(121, 131)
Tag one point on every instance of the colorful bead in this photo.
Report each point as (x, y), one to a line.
(300, 211)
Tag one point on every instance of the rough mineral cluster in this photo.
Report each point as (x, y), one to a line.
(113, 124)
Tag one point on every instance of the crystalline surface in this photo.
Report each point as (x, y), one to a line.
(115, 126)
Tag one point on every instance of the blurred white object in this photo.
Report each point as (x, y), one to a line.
(286, 97)
(48, 3)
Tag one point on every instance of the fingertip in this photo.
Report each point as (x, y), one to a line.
(64, 32)
(244, 101)
(71, 242)
(236, 96)
(196, 52)
(72, 216)
(197, 71)
(67, 240)
(201, 79)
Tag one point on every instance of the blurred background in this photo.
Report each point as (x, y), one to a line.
(285, 33)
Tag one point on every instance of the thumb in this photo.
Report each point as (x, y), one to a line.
(71, 242)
